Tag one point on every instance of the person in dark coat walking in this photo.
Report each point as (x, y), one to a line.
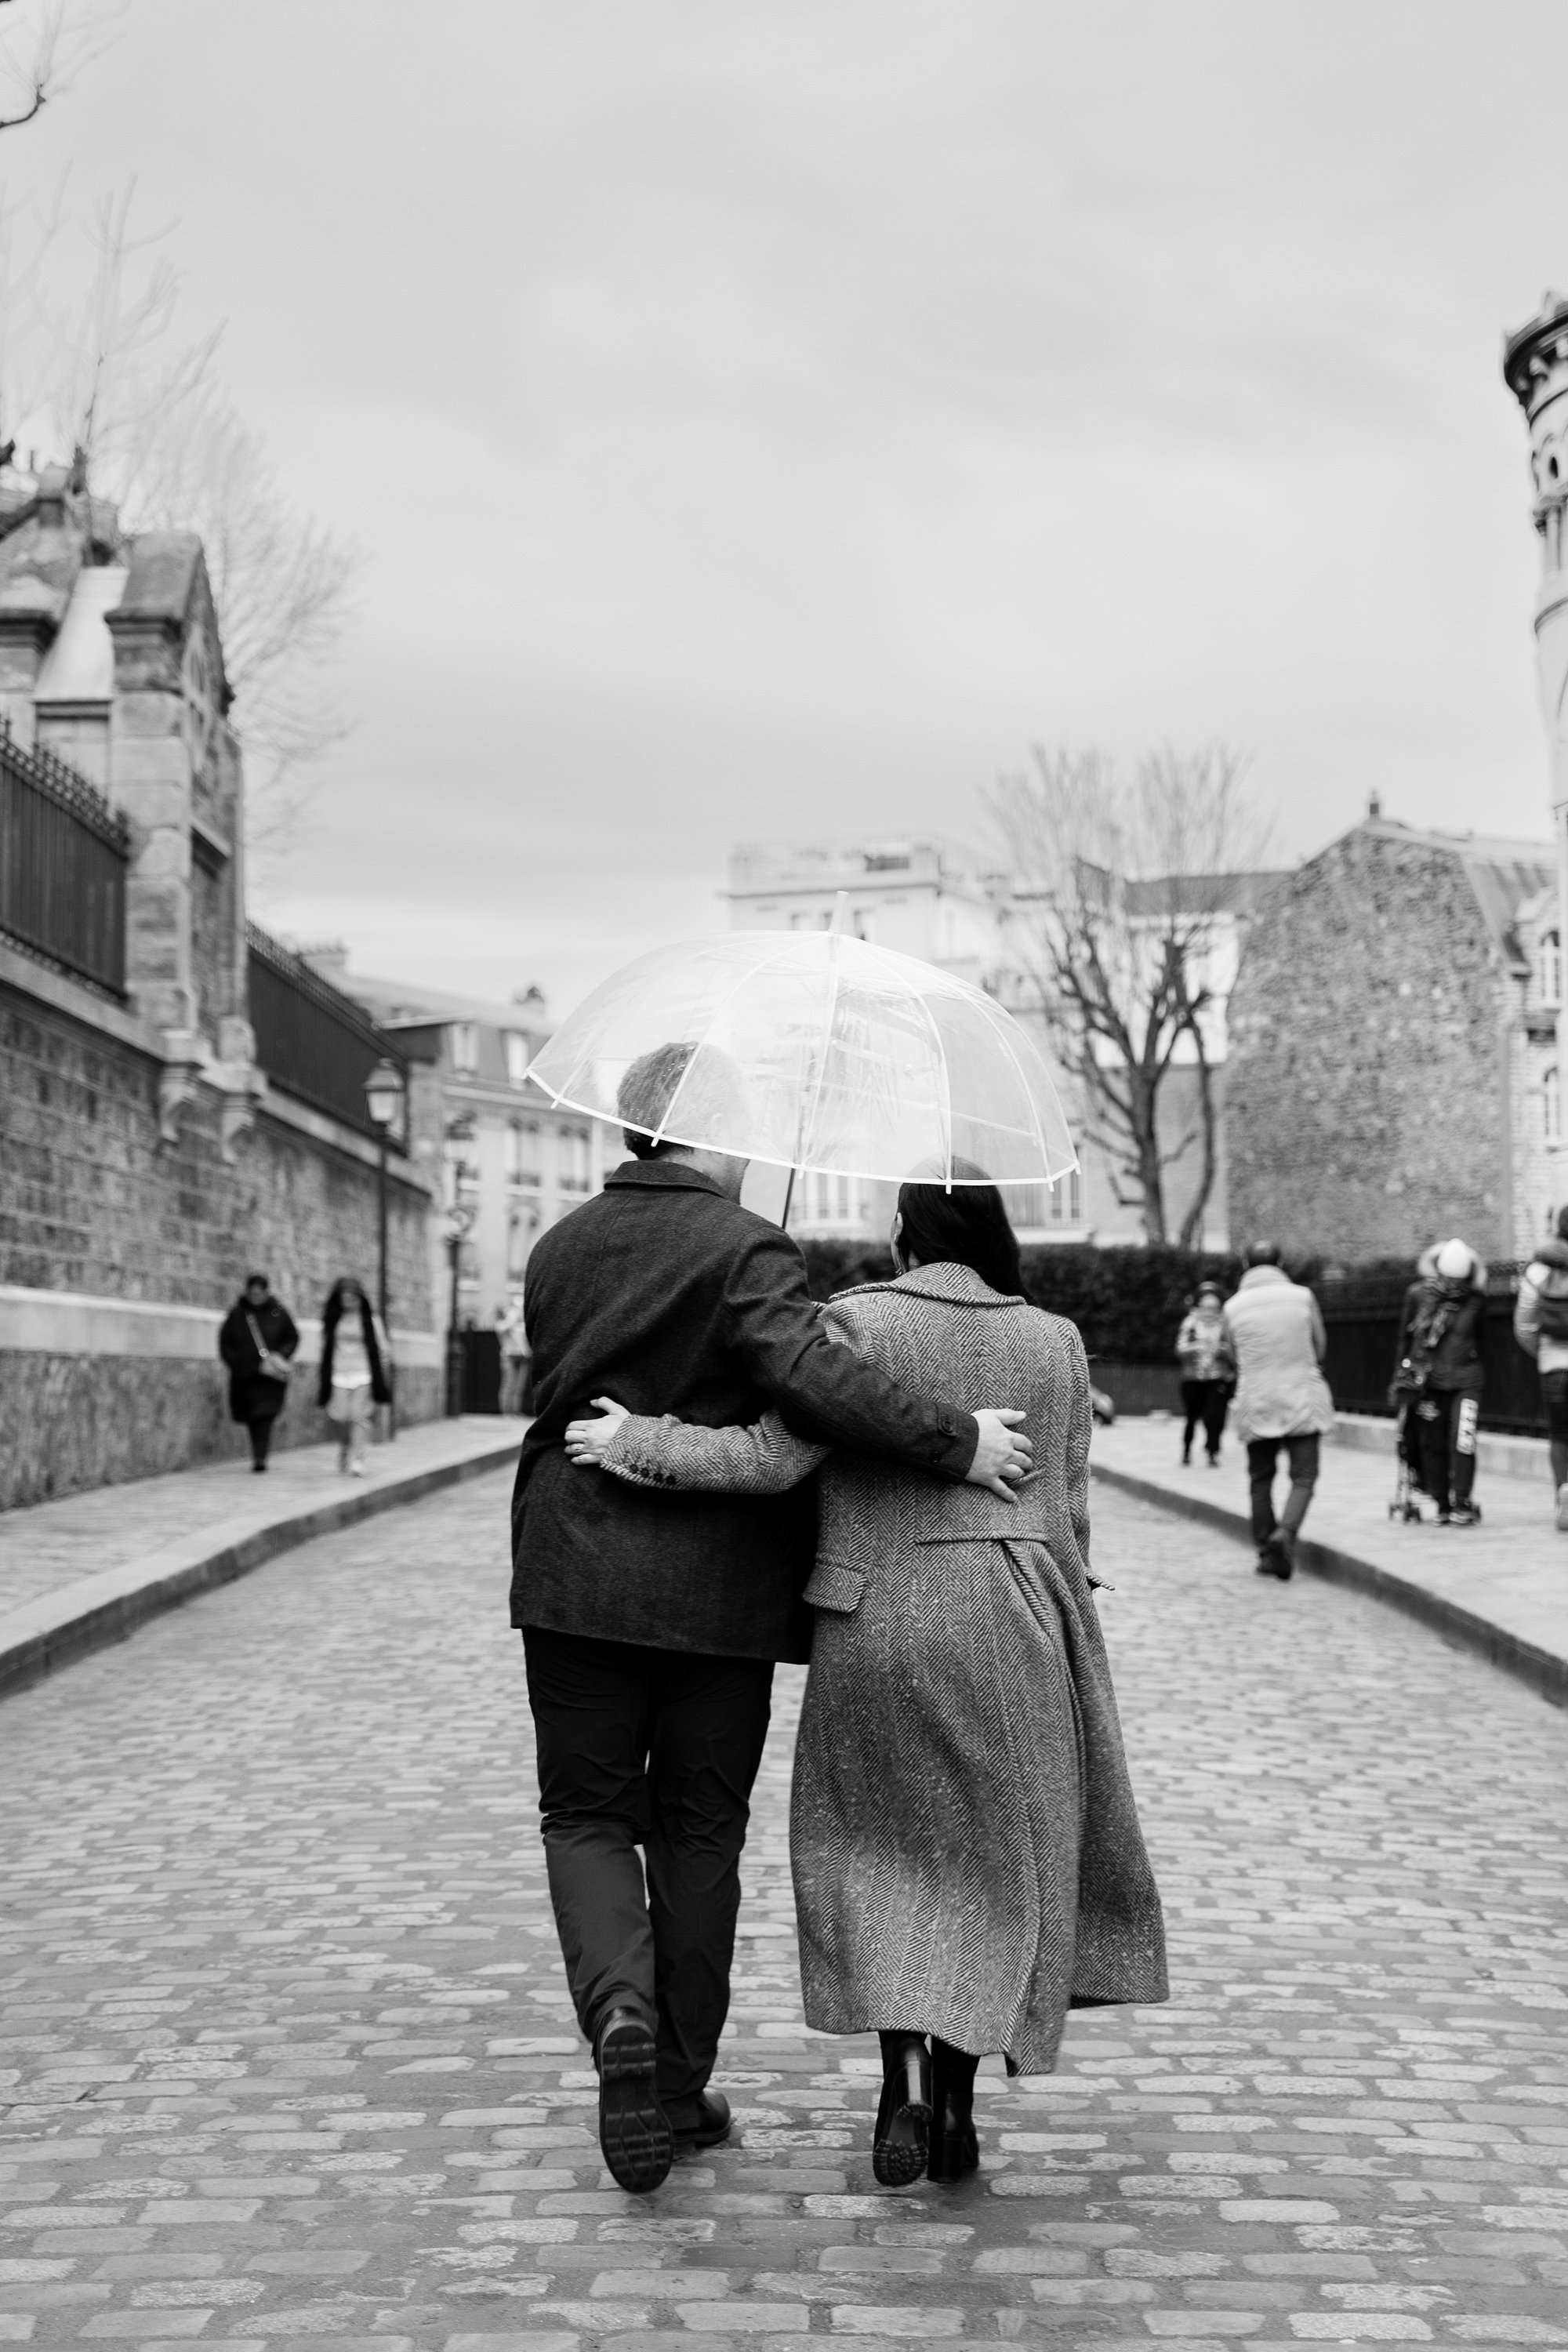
(257, 1342)
(1442, 1341)
(651, 1619)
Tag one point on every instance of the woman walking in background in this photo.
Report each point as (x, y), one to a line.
(355, 1369)
(968, 1861)
(1207, 1359)
(257, 1339)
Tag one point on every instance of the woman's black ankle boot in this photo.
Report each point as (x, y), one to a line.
(902, 2142)
(955, 2145)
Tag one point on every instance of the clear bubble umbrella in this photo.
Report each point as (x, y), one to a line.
(811, 1050)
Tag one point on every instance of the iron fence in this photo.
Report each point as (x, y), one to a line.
(312, 1040)
(1362, 1323)
(64, 852)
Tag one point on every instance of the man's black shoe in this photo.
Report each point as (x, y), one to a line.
(1274, 1557)
(633, 2131)
(710, 2127)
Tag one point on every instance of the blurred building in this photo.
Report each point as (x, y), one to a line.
(1393, 1075)
(181, 1100)
(505, 1155)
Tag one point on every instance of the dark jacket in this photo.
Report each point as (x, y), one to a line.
(1455, 1309)
(668, 1296)
(252, 1397)
(380, 1376)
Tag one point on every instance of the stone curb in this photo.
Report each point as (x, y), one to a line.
(1543, 1670)
(88, 1615)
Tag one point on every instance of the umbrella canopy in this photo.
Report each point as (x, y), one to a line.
(812, 1050)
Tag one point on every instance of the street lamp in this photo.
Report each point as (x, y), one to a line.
(384, 1096)
(459, 1224)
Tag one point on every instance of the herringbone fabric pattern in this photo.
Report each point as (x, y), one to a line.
(967, 1854)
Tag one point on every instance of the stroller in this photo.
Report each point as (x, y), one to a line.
(1407, 1486)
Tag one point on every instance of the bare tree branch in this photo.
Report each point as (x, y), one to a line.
(1116, 905)
(43, 66)
(90, 360)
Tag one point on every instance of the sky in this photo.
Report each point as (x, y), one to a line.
(760, 421)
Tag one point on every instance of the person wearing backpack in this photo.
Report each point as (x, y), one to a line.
(1442, 1352)
(1541, 1326)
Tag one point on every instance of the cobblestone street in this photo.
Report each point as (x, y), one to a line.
(287, 2053)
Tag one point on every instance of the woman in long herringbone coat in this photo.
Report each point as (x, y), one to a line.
(968, 1861)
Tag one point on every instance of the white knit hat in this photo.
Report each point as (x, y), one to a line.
(1456, 1261)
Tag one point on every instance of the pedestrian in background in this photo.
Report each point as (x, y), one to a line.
(1208, 1361)
(1541, 1326)
(257, 1342)
(355, 1374)
(1282, 1399)
(514, 1356)
(1442, 1353)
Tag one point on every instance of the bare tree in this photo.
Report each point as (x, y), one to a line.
(31, 68)
(42, 52)
(92, 357)
(1116, 901)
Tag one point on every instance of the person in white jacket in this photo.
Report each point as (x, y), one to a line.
(1541, 1326)
(1282, 1400)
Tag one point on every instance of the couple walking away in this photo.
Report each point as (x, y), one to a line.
(968, 1863)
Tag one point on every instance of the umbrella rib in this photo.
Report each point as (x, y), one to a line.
(946, 1084)
(1006, 1044)
(660, 1133)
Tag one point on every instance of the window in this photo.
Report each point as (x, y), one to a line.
(1551, 969)
(517, 1057)
(571, 1158)
(1552, 1106)
(464, 1039)
(520, 1153)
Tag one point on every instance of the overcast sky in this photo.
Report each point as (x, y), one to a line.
(762, 420)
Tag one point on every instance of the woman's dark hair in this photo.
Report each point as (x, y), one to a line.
(968, 1226)
(337, 1300)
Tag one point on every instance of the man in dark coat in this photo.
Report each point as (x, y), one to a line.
(651, 1622)
(258, 1337)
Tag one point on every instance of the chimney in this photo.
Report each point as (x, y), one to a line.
(1373, 806)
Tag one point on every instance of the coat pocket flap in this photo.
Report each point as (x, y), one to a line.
(834, 1585)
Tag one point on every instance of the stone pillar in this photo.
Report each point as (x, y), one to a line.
(1535, 368)
(150, 762)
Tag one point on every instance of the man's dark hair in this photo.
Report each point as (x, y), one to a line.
(1563, 1224)
(1264, 1254)
(646, 1094)
(968, 1226)
(253, 1280)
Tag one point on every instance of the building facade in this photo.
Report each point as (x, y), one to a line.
(180, 1102)
(505, 1157)
(1393, 1073)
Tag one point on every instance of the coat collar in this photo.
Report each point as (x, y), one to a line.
(663, 1175)
(954, 1286)
(1257, 1277)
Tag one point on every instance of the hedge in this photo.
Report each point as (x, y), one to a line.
(1127, 1300)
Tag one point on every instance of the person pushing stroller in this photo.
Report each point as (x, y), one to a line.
(1440, 1378)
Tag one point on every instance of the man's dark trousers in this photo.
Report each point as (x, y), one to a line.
(658, 1748)
(1262, 1455)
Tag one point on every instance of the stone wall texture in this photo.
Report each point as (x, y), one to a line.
(71, 1422)
(92, 1200)
(1367, 1090)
